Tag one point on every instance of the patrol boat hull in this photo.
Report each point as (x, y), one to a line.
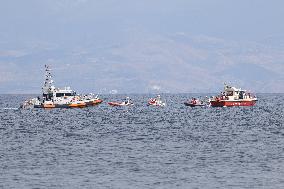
(227, 103)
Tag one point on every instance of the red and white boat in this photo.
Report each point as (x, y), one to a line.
(92, 100)
(156, 101)
(127, 102)
(233, 97)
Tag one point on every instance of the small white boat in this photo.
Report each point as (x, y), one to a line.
(127, 102)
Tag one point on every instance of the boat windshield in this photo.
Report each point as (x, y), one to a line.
(230, 93)
(64, 94)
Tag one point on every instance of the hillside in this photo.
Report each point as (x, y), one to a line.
(145, 62)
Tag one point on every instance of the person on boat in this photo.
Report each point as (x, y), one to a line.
(197, 101)
(158, 98)
(194, 101)
(152, 101)
(127, 100)
(249, 95)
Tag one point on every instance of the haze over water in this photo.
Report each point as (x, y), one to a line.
(143, 147)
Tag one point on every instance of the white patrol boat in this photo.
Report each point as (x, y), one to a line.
(53, 97)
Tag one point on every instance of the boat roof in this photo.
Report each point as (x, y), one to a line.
(229, 88)
(64, 90)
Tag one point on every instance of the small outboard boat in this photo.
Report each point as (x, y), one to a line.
(92, 100)
(156, 101)
(127, 102)
(194, 102)
(77, 104)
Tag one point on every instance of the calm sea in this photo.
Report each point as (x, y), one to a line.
(143, 147)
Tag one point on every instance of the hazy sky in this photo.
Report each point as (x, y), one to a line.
(80, 19)
(65, 24)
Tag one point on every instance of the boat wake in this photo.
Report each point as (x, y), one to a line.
(9, 108)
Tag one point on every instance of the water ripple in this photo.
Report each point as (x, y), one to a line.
(143, 147)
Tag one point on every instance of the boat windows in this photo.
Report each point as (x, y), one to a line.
(230, 93)
(47, 96)
(68, 94)
(241, 95)
(59, 94)
(64, 94)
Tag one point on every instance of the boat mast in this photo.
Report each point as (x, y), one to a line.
(226, 86)
(48, 86)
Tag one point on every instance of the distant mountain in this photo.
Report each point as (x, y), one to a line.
(141, 62)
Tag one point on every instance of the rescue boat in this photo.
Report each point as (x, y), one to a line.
(92, 100)
(78, 104)
(127, 102)
(48, 104)
(232, 96)
(59, 97)
(194, 102)
(156, 101)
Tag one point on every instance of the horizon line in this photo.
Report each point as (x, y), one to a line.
(139, 93)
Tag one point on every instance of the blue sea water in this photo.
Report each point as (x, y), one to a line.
(142, 147)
